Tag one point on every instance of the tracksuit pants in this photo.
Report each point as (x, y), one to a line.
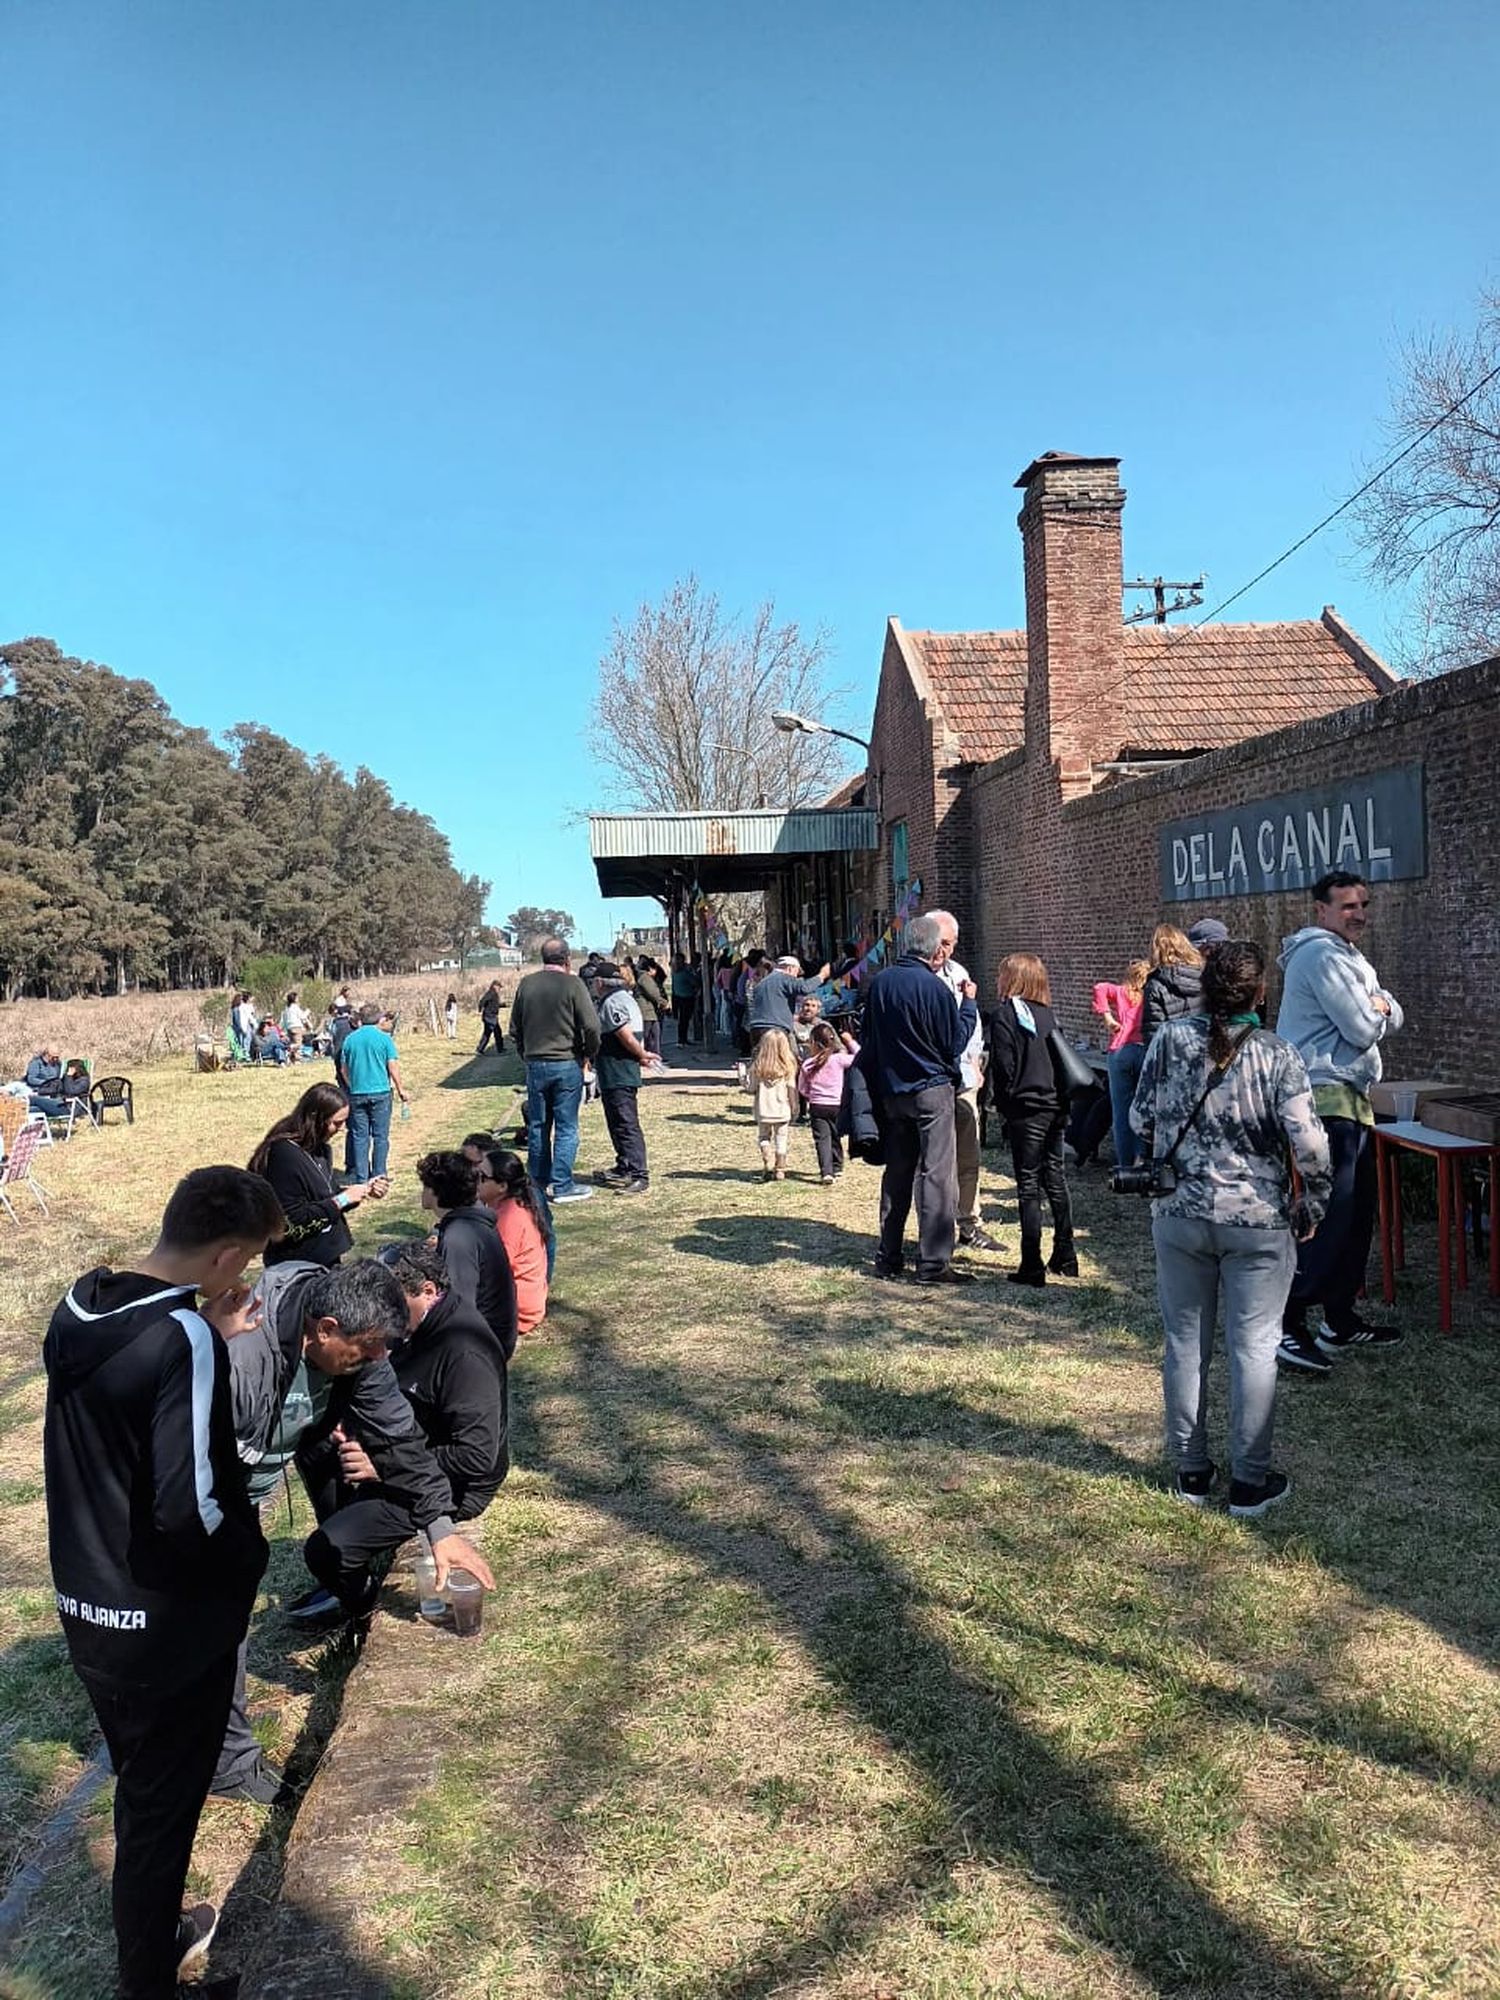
(163, 1747)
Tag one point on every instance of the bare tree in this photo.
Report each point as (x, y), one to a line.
(1433, 524)
(686, 693)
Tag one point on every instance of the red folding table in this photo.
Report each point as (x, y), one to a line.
(1448, 1152)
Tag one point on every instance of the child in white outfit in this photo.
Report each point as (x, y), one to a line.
(773, 1081)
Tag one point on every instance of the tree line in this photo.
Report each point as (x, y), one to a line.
(136, 852)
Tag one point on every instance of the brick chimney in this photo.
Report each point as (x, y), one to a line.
(1075, 631)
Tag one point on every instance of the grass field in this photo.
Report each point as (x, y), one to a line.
(848, 1644)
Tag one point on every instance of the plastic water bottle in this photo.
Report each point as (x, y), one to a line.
(405, 1110)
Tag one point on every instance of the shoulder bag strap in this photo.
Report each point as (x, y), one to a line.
(1216, 1077)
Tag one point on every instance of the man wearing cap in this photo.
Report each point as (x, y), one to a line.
(622, 1055)
(773, 1000)
(1207, 934)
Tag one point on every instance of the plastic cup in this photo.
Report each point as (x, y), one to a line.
(465, 1595)
(1405, 1102)
(429, 1605)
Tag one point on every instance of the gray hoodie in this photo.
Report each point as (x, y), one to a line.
(1328, 1011)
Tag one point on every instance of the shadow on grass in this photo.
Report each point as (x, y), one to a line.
(486, 1072)
(1007, 1793)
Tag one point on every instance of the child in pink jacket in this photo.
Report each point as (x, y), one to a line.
(820, 1079)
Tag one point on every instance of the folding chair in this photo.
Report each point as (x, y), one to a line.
(13, 1115)
(112, 1093)
(17, 1167)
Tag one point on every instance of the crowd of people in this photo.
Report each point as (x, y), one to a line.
(179, 1400)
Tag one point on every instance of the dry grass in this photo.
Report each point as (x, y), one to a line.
(848, 1644)
(138, 1028)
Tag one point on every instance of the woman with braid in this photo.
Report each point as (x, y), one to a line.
(1226, 1110)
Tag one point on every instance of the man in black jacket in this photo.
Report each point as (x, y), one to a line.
(469, 1243)
(452, 1371)
(911, 1043)
(155, 1548)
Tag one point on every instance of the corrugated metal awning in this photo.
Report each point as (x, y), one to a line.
(635, 853)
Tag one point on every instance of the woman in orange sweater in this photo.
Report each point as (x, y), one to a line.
(506, 1187)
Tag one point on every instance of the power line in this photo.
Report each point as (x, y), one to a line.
(1359, 494)
(1175, 633)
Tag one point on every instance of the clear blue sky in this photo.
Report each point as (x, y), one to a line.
(362, 361)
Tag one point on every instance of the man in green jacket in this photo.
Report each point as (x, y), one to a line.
(556, 1031)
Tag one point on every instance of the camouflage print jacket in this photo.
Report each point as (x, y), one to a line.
(1233, 1166)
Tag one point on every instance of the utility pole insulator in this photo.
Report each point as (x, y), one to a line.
(1189, 596)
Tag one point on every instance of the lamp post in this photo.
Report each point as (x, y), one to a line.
(792, 724)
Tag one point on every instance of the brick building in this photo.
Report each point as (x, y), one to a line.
(1061, 789)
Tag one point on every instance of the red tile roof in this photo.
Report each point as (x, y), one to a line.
(979, 679)
(1186, 687)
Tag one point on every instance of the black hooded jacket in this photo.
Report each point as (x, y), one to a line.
(452, 1371)
(156, 1551)
(478, 1270)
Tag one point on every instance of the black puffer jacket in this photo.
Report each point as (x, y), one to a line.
(1172, 992)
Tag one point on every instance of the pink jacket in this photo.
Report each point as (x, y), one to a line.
(825, 1085)
(1116, 1000)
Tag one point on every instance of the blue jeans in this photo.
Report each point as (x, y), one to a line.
(1124, 1075)
(554, 1091)
(369, 1135)
(1199, 1267)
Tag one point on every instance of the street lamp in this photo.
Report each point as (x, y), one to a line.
(792, 724)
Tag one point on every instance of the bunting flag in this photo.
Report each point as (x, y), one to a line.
(871, 956)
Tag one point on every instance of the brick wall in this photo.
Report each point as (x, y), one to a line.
(1077, 879)
(917, 777)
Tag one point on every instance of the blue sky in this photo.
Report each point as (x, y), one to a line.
(362, 362)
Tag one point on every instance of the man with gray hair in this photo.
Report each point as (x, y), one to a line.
(911, 1048)
(971, 1235)
(773, 1000)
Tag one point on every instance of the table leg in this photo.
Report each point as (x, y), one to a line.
(1445, 1247)
(1384, 1177)
(1398, 1226)
(1461, 1217)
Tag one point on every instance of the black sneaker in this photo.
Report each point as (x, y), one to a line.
(1248, 1503)
(1063, 1267)
(891, 1273)
(263, 1786)
(195, 1933)
(977, 1239)
(1358, 1333)
(637, 1184)
(949, 1275)
(1027, 1276)
(1195, 1487)
(1299, 1353)
(313, 1607)
(612, 1176)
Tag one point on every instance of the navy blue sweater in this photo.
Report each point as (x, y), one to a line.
(912, 1034)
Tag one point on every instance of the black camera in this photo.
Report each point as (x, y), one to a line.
(1156, 1177)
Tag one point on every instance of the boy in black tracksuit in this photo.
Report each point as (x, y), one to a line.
(155, 1549)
